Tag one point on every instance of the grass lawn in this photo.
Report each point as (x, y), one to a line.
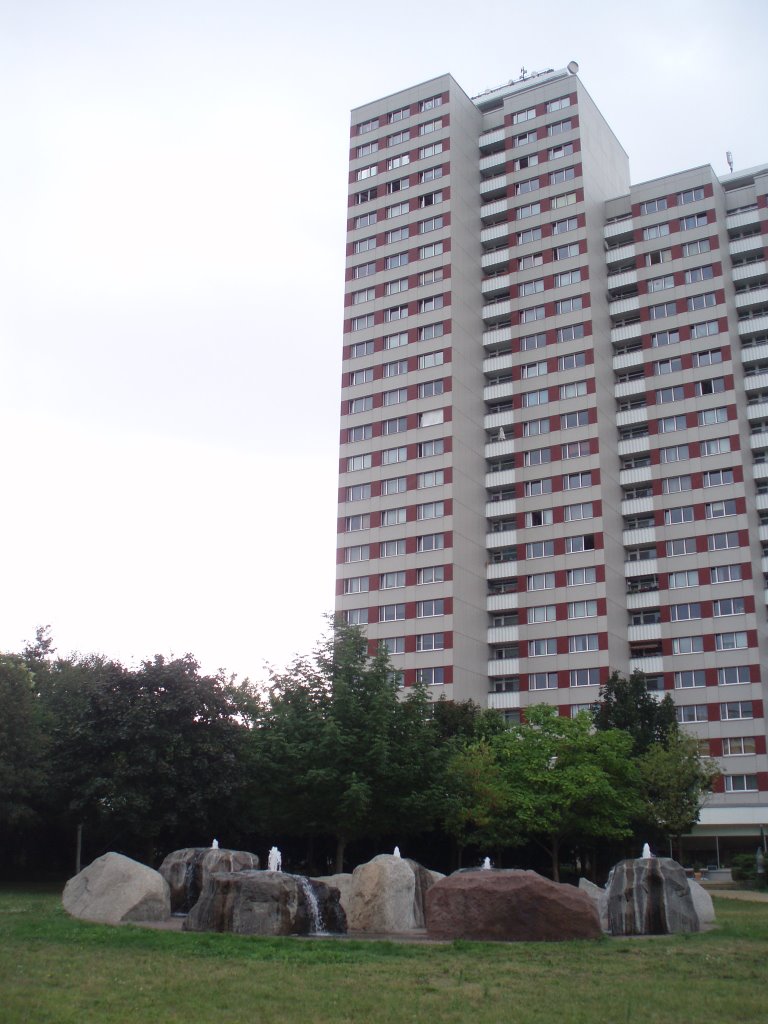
(56, 969)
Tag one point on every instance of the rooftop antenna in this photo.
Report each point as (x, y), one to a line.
(729, 158)
(523, 73)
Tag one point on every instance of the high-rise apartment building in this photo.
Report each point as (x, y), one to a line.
(554, 421)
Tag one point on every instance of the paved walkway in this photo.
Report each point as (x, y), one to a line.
(749, 895)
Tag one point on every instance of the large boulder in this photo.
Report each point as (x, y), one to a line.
(650, 896)
(342, 882)
(383, 896)
(265, 903)
(702, 902)
(187, 870)
(509, 906)
(600, 899)
(114, 889)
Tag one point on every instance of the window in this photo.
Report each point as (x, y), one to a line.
(531, 428)
(721, 541)
(702, 301)
(393, 517)
(690, 679)
(728, 606)
(531, 287)
(400, 259)
(365, 270)
(678, 580)
(661, 310)
(429, 448)
(356, 616)
(654, 259)
(697, 274)
(397, 210)
(427, 609)
(397, 185)
(530, 210)
(570, 420)
(583, 510)
(391, 580)
(676, 484)
(653, 206)
(570, 333)
(398, 138)
(568, 305)
(733, 675)
(584, 542)
(367, 172)
(576, 389)
(397, 235)
(367, 126)
(674, 453)
(394, 644)
(430, 103)
(430, 303)
(735, 641)
(391, 612)
(395, 313)
(572, 481)
(431, 174)
(529, 235)
(355, 462)
(560, 227)
(396, 397)
(536, 487)
(431, 510)
(427, 251)
(567, 277)
(434, 479)
(681, 514)
(532, 398)
(717, 477)
(360, 323)
(430, 126)
(433, 150)
(734, 746)
(696, 248)
(542, 648)
(539, 517)
(430, 276)
(684, 612)
(526, 186)
(725, 574)
(389, 456)
(540, 549)
(542, 681)
(524, 162)
(664, 366)
(396, 369)
(430, 574)
(541, 581)
(557, 127)
(582, 642)
(705, 330)
(366, 195)
(431, 542)
(542, 613)
(681, 546)
(736, 709)
(692, 195)
(696, 220)
(708, 357)
(396, 426)
(430, 642)
(718, 509)
(431, 418)
(525, 138)
(691, 713)
(531, 314)
(673, 394)
(582, 609)
(395, 485)
(356, 585)
(391, 548)
(655, 231)
(361, 376)
(357, 553)
(713, 386)
(361, 433)
(584, 677)
(538, 457)
(359, 492)
(399, 115)
(580, 577)
(662, 338)
(359, 522)
(529, 370)
(740, 783)
(524, 115)
(365, 219)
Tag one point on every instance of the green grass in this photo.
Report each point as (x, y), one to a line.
(55, 970)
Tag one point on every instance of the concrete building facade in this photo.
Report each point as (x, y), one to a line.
(554, 416)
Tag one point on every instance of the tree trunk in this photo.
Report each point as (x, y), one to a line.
(555, 854)
(341, 845)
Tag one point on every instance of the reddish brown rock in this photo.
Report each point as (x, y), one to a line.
(509, 906)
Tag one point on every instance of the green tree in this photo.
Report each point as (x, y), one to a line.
(625, 703)
(676, 780)
(550, 779)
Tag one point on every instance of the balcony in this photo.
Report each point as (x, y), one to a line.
(633, 445)
(495, 364)
(498, 336)
(630, 416)
(501, 570)
(494, 186)
(492, 211)
(494, 420)
(748, 271)
(495, 448)
(621, 254)
(491, 139)
(500, 478)
(630, 387)
(501, 539)
(758, 411)
(740, 246)
(619, 228)
(503, 667)
(500, 509)
(501, 602)
(759, 441)
(622, 306)
(626, 332)
(737, 221)
(628, 360)
(643, 598)
(651, 666)
(636, 506)
(497, 285)
(624, 279)
(632, 538)
(756, 382)
(760, 470)
(752, 299)
(648, 631)
(754, 354)
(503, 700)
(642, 567)
(497, 311)
(635, 475)
(493, 392)
(497, 258)
(503, 634)
(487, 163)
(761, 502)
(495, 233)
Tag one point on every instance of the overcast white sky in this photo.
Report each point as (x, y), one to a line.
(172, 209)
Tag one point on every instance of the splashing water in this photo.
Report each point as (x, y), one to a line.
(316, 923)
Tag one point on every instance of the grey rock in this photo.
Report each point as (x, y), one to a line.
(114, 889)
(264, 903)
(342, 882)
(702, 902)
(187, 870)
(599, 897)
(650, 896)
